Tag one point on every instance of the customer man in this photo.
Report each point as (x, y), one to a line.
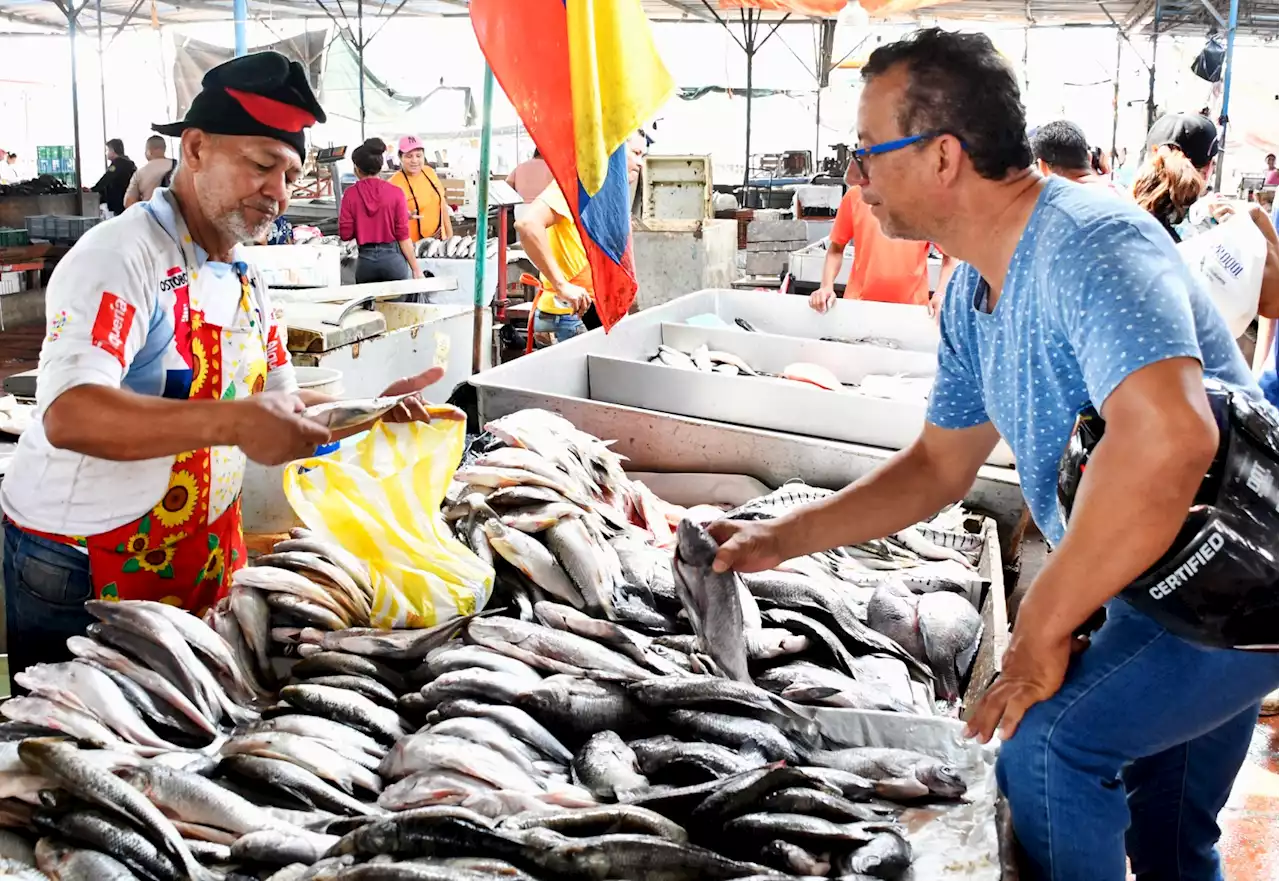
(114, 182)
(158, 172)
(163, 369)
(550, 237)
(1068, 298)
(884, 270)
(1061, 148)
(1273, 174)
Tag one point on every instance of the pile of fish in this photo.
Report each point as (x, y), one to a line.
(535, 752)
(619, 711)
(707, 360)
(456, 248)
(553, 511)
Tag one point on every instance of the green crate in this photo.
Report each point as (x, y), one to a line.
(14, 238)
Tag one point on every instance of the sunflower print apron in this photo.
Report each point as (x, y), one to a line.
(184, 550)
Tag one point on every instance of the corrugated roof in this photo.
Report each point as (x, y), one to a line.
(1257, 18)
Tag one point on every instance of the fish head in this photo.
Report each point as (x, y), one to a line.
(694, 545)
(942, 779)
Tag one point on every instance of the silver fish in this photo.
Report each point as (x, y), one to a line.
(737, 732)
(346, 707)
(886, 855)
(217, 655)
(610, 818)
(306, 753)
(457, 656)
(519, 723)
(287, 777)
(280, 847)
(541, 517)
(885, 763)
(634, 645)
(584, 706)
(552, 650)
(436, 752)
(254, 617)
(85, 688)
(393, 645)
(633, 856)
(75, 723)
(356, 568)
(607, 767)
(57, 859)
(226, 625)
(109, 835)
(62, 762)
(574, 548)
(711, 599)
(534, 560)
(480, 683)
(325, 730)
(491, 735)
(312, 614)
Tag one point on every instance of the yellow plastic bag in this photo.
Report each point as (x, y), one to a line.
(381, 501)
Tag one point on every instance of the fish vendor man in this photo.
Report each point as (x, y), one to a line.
(163, 369)
(1068, 300)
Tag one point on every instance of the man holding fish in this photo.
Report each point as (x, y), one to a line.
(163, 370)
(1127, 743)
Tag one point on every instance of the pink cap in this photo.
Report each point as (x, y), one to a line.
(409, 143)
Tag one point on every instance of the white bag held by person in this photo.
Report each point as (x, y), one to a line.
(1229, 260)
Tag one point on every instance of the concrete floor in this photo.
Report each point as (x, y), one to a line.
(1251, 820)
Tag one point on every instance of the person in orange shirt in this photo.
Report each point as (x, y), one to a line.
(884, 270)
(423, 193)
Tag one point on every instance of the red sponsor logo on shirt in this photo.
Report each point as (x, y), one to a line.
(111, 327)
(277, 355)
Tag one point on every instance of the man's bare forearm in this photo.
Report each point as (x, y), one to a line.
(831, 266)
(121, 426)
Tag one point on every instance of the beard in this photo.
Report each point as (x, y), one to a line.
(228, 215)
(236, 226)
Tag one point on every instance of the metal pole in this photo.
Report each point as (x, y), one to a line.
(102, 79)
(1151, 71)
(1226, 93)
(240, 12)
(360, 58)
(482, 220)
(72, 13)
(749, 46)
(1115, 104)
(817, 132)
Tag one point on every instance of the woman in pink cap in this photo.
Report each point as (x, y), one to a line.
(423, 192)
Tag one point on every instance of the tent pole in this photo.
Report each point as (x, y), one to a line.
(1151, 71)
(72, 14)
(240, 12)
(360, 58)
(817, 130)
(749, 46)
(1233, 17)
(102, 79)
(482, 222)
(1115, 103)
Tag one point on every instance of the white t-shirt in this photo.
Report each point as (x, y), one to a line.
(111, 308)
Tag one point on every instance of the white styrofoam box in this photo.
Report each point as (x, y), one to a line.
(464, 270)
(11, 283)
(297, 266)
(676, 188)
(818, 196)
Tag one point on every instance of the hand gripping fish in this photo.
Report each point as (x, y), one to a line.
(710, 599)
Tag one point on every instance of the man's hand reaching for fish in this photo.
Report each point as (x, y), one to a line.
(414, 409)
(747, 545)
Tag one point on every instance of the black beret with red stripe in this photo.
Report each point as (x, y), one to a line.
(263, 94)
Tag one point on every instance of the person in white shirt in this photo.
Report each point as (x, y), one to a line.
(157, 172)
(9, 172)
(163, 368)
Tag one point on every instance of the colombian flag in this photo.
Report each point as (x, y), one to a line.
(583, 75)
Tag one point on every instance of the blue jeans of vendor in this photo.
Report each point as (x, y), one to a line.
(46, 585)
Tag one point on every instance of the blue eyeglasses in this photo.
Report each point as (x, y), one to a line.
(889, 146)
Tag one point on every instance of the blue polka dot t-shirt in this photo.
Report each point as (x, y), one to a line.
(1094, 292)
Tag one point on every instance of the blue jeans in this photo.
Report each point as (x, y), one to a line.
(548, 328)
(1136, 753)
(381, 262)
(46, 586)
